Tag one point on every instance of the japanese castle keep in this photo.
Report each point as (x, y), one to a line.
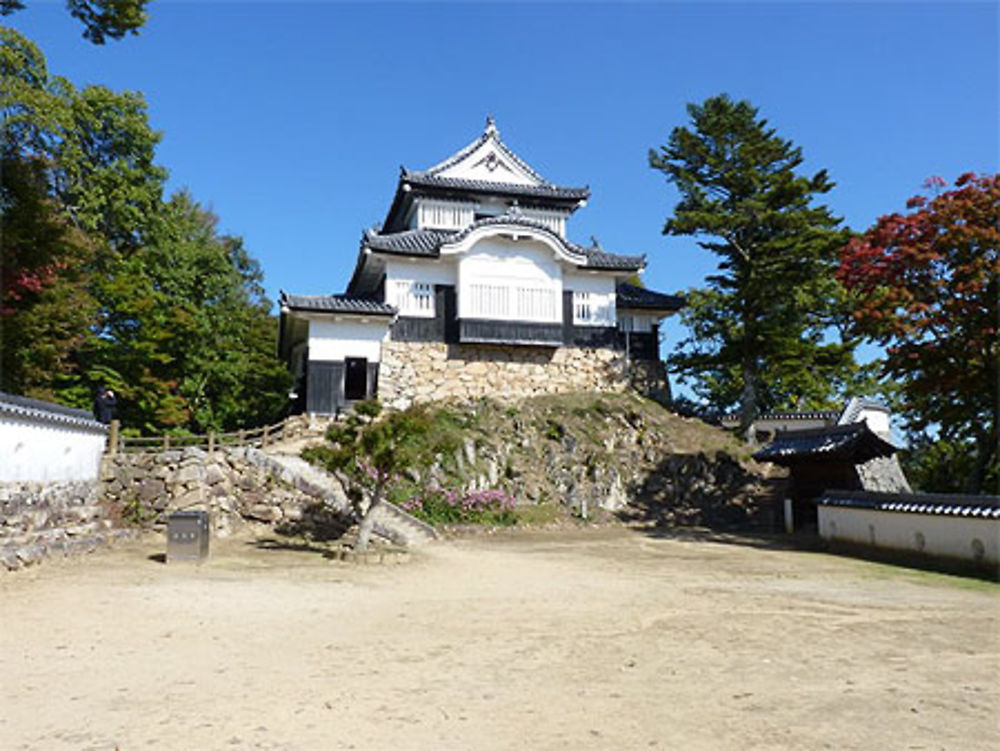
(471, 288)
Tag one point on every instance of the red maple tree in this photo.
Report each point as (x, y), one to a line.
(925, 286)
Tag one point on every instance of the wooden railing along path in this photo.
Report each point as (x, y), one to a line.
(256, 437)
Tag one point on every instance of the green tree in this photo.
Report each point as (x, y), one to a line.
(104, 282)
(186, 336)
(764, 333)
(78, 188)
(101, 18)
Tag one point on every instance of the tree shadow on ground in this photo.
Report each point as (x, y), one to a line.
(802, 541)
(318, 526)
(292, 546)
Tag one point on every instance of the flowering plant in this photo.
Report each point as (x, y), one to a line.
(455, 507)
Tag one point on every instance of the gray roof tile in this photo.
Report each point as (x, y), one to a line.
(427, 243)
(36, 409)
(631, 296)
(415, 242)
(423, 179)
(336, 304)
(987, 506)
(855, 443)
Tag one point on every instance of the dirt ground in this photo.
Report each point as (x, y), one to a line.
(582, 639)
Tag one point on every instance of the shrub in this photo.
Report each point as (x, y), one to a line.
(472, 507)
(368, 407)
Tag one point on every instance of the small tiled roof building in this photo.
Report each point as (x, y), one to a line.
(471, 288)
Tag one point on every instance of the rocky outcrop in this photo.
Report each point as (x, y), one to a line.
(620, 453)
(39, 521)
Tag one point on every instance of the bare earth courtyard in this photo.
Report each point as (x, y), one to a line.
(587, 639)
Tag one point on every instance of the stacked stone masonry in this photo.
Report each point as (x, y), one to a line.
(39, 521)
(413, 372)
(237, 486)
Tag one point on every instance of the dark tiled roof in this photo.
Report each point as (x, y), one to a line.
(336, 304)
(599, 259)
(855, 443)
(631, 296)
(36, 409)
(818, 414)
(427, 180)
(986, 506)
(427, 243)
(411, 242)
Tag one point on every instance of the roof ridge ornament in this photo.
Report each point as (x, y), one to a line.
(491, 127)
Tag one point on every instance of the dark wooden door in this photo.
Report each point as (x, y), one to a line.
(355, 378)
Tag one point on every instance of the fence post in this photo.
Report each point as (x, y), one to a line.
(166, 441)
(211, 441)
(113, 437)
(242, 437)
(263, 438)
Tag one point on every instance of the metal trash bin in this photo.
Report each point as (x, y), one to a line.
(187, 536)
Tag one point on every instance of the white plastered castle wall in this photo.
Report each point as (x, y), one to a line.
(339, 338)
(961, 537)
(501, 262)
(38, 450)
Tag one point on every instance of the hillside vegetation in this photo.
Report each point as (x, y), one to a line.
(590, 454)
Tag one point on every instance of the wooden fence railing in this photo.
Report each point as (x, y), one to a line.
(257, 437)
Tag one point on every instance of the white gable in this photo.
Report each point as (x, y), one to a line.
(488, 159)
(489, 163)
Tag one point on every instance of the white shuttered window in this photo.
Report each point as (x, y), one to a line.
(511, 302)
(413, 298)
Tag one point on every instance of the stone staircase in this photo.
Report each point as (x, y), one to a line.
(391, 522)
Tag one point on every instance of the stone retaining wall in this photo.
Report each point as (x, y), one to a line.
(232, 484)
(429, 371)
(52, 519)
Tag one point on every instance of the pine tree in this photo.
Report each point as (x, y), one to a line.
(763, 332)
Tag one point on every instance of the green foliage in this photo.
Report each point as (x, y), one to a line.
(940, 465)
(368, 407)
(187, 334)
(762, 332)
(101, 18)
(104, 282)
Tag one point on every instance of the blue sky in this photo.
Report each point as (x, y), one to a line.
(291, 120)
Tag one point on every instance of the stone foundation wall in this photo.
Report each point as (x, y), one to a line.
(429, 371)
(39, 521)
(231, 483)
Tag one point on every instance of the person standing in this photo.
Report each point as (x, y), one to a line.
(105, 405)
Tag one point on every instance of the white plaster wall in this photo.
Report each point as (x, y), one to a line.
(501, 261)
(335, 340)
(950, 536)
(436, 271)
(42, 451)
(878, 421)
(601, 291)
(593, 283)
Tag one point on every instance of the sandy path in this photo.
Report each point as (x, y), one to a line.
(600, 639)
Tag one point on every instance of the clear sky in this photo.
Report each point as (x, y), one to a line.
(291, 120)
